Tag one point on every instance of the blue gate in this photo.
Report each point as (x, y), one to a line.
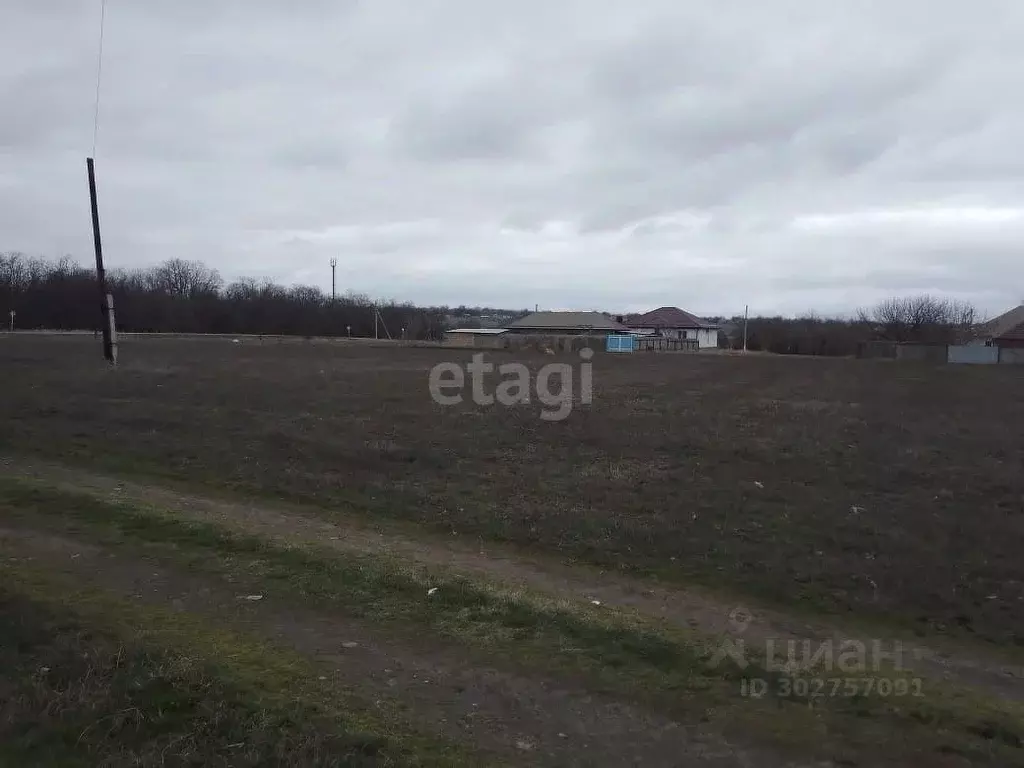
(619, 343)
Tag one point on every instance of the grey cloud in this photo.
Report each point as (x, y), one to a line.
(310, 155)
(650, 153)
(478, 130)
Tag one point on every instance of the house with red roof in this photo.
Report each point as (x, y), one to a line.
(674, 323)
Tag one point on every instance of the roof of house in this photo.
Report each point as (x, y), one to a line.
(667, 317)
(479, 331)
(1009, 325)
(1016, 333)
(568, 321)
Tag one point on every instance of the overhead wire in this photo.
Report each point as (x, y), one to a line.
(99, 74)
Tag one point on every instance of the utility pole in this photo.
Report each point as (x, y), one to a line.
(106, 300)
(746, 310)
(334, 265)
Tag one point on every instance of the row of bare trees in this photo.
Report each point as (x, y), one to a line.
(189, 297)
(922, 319)
(808, 335)
(186, 296)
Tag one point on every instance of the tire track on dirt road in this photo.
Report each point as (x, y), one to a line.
(502, 565)
(515, 719)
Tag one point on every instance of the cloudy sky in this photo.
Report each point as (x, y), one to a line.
(789, 155)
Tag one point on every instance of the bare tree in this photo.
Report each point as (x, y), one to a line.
(128, 280)
(186, 279)
(244, 289)
(19, 272)
(64, 267)
(921, 318)
(961, 315)
(307, 296)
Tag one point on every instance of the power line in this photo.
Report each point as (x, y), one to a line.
(107, 306)
(99, 72)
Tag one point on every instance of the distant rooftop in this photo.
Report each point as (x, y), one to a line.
(667, 317)
(479, 331)
(576, 321)
(1009, 325)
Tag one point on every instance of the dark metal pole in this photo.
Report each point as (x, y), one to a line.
(334, 264)
(101, 275)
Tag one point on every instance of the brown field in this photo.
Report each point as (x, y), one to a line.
(853, 493)
(658, 474)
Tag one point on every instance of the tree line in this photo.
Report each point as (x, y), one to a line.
(184, 296)
(922, 319)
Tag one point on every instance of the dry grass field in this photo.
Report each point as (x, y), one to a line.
(848, 496)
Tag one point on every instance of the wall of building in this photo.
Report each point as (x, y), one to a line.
(707, 338)
(458, 339)
(476, 340)
(1011, 355)
(704, 337)
(555, 342)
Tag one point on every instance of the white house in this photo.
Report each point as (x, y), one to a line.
(674, 323)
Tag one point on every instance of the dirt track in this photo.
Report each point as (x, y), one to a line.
(522, 719)
(694, 609)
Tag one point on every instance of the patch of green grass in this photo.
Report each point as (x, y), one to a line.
(611, 649)
(373, 587)
(82, 686)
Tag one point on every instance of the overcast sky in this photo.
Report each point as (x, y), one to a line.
(792, 156)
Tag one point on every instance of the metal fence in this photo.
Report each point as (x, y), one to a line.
(664, 344)
(973, 354)
(960, 354)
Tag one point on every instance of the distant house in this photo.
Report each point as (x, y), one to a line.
(567, 324)
(675, 324)
(489, 338)
(1005, 331)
